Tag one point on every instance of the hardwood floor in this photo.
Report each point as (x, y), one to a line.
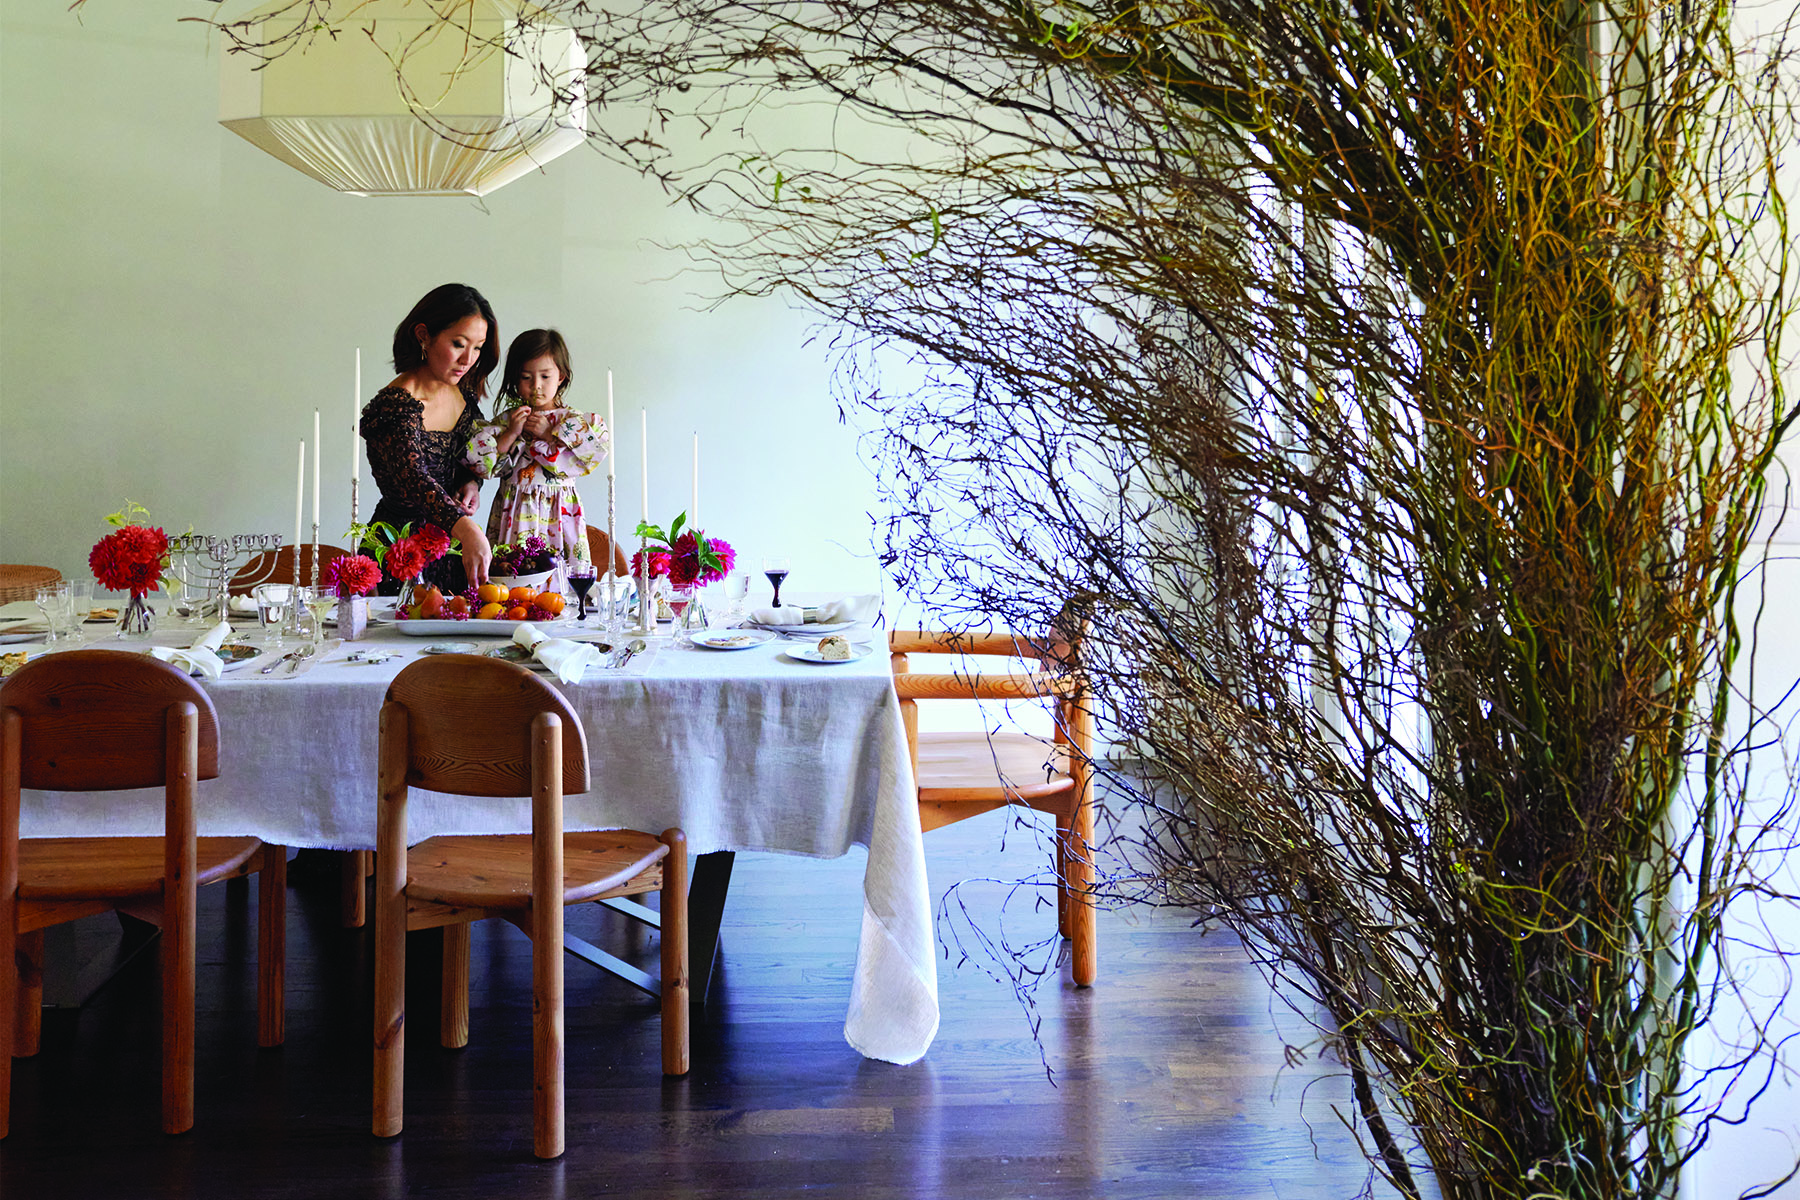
(1168, 1075)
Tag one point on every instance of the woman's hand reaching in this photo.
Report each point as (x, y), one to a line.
(476, 553)
(468, 497)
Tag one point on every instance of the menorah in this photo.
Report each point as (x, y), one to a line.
(206, 564)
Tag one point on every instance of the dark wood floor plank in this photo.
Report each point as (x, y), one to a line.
(1167, 1079)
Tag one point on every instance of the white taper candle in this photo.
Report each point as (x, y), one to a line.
(299, 500)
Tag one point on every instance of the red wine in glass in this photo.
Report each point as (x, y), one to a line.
(582, 585)
(775, 570)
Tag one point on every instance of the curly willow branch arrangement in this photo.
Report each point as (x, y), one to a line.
(1397, 385)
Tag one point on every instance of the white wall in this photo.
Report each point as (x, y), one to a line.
(174, 304)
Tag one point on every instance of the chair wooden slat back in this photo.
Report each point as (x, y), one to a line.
(480, 750)
(96, 720)
(597, 548)
(277, 566)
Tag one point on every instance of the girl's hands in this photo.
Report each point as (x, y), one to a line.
(468, 497)
(536, 424)
(476, 553)
(515, 420)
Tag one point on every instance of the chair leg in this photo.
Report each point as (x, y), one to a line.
(547, 1115)
(28, 1005)
(390, 996)
(178, 1002)
(271, 947)
(354, 869)
(1078, 888)
(1062, 876)
(675, 954)
(9, 1011)
(453, 1026)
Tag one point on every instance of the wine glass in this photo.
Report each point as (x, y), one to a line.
(583, 583)
(737, 595)
(272, 600)
(775, 570)
(319, 602)
(57, 602)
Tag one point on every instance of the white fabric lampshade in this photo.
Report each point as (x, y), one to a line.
(399, 103)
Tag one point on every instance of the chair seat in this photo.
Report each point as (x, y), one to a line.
(1002, 767)
(495, 871)
(119, 868)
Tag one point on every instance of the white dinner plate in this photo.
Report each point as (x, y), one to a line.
(451, 648)
(22, 634)
(810, 654)
(731, 639)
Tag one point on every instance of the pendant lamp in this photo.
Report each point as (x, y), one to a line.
(390, 99)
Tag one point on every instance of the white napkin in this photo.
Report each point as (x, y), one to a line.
(859, 609)
(202, 656)
(566, 659)
(243, 606)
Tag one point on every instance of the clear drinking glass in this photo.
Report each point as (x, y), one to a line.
(272, 601)
(737, 596)
(57, 602)
(82, 592)
(319, 604)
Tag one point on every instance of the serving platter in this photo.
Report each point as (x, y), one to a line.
(423, 627)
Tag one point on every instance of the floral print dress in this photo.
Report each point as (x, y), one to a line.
(537, 489)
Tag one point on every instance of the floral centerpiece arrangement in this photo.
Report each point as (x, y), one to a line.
(132, 558)
(688, 558)
(351, 578)
(403, 553)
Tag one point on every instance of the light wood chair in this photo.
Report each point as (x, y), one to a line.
(98, 720)
(961, 775)
(475, 726)
(277, 566)
(597, 549)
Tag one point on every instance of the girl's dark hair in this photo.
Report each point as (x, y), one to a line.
(535, 343)
(440, 308)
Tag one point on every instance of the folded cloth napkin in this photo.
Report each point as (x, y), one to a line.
(861, 609)
(241, 606)
(202, 656)
(566, 659)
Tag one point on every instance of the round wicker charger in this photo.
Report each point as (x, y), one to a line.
(20, 581)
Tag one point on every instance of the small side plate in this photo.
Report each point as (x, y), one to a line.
(731, 639)
(451, 648)
(236, 653)
(810, 654)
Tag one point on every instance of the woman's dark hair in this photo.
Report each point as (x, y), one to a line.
(535, 343)
(440, 308)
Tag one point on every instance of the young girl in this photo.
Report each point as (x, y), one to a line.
(537, 447)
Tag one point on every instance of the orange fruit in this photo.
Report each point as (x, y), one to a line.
(550, 602)
(490, 593)
(491, 612)
(516, 613)
(522, 595)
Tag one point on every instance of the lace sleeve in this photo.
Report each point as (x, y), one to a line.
(393, 427)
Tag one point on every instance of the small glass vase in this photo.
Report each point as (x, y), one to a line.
(405, 597)
(352, 617)
(136, 619)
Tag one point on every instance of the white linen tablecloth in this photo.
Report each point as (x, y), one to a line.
(744, 750)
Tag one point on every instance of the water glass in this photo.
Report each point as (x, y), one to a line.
(57, 602)
(737, 594)
(272, 602)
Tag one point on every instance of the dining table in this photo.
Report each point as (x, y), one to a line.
(748, 749)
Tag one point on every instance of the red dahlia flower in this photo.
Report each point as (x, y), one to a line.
(404, 559)
(352, 575)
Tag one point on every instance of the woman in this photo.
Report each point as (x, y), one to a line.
(417, 426)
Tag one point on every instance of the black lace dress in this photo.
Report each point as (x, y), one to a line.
(419, 471)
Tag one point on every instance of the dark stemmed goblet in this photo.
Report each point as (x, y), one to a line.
(582, 585)
(775, 570)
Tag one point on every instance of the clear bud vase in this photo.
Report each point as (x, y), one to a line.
(136, 619)
(405, 597)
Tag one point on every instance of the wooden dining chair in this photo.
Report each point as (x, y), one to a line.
(474, 726)
(961, 775)
(598, 545)
(98, 720)
(277, 566)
